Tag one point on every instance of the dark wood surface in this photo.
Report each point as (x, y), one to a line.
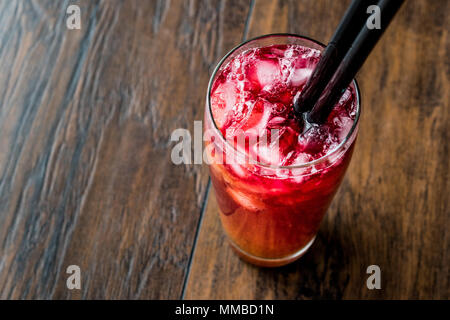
(86, 177)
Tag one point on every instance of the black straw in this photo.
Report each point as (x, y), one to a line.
(341, 61)
(346, 32)
(352, 62)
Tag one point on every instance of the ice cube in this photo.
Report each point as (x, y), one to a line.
(312, 141)
(288, 140)
(299, 77)
(237, 169)
(267, 153)
(276, 122)
(223, 100)
(346, 125)
(301, 158)
(264, 72)
(245, 200)
(276, 148)
(258, 117)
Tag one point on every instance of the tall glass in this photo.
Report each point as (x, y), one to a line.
(271, 214)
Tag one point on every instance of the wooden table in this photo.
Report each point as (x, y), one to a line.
(86, 177)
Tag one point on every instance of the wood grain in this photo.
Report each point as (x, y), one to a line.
(392, 209)
(85, 123)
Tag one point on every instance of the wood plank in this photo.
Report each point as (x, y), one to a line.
(392, 209)
(85, 123)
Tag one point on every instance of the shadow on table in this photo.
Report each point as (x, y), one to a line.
(323, 272)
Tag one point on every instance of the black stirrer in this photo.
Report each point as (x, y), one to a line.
(352, 62)
(345, 34)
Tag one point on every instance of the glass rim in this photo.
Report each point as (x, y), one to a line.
(264, 165)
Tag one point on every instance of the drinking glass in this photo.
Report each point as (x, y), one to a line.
(271, 214)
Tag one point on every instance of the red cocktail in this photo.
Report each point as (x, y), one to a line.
(274, 176)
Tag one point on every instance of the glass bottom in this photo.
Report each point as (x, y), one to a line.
(263, 262)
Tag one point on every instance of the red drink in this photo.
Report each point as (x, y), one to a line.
(274, 178)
